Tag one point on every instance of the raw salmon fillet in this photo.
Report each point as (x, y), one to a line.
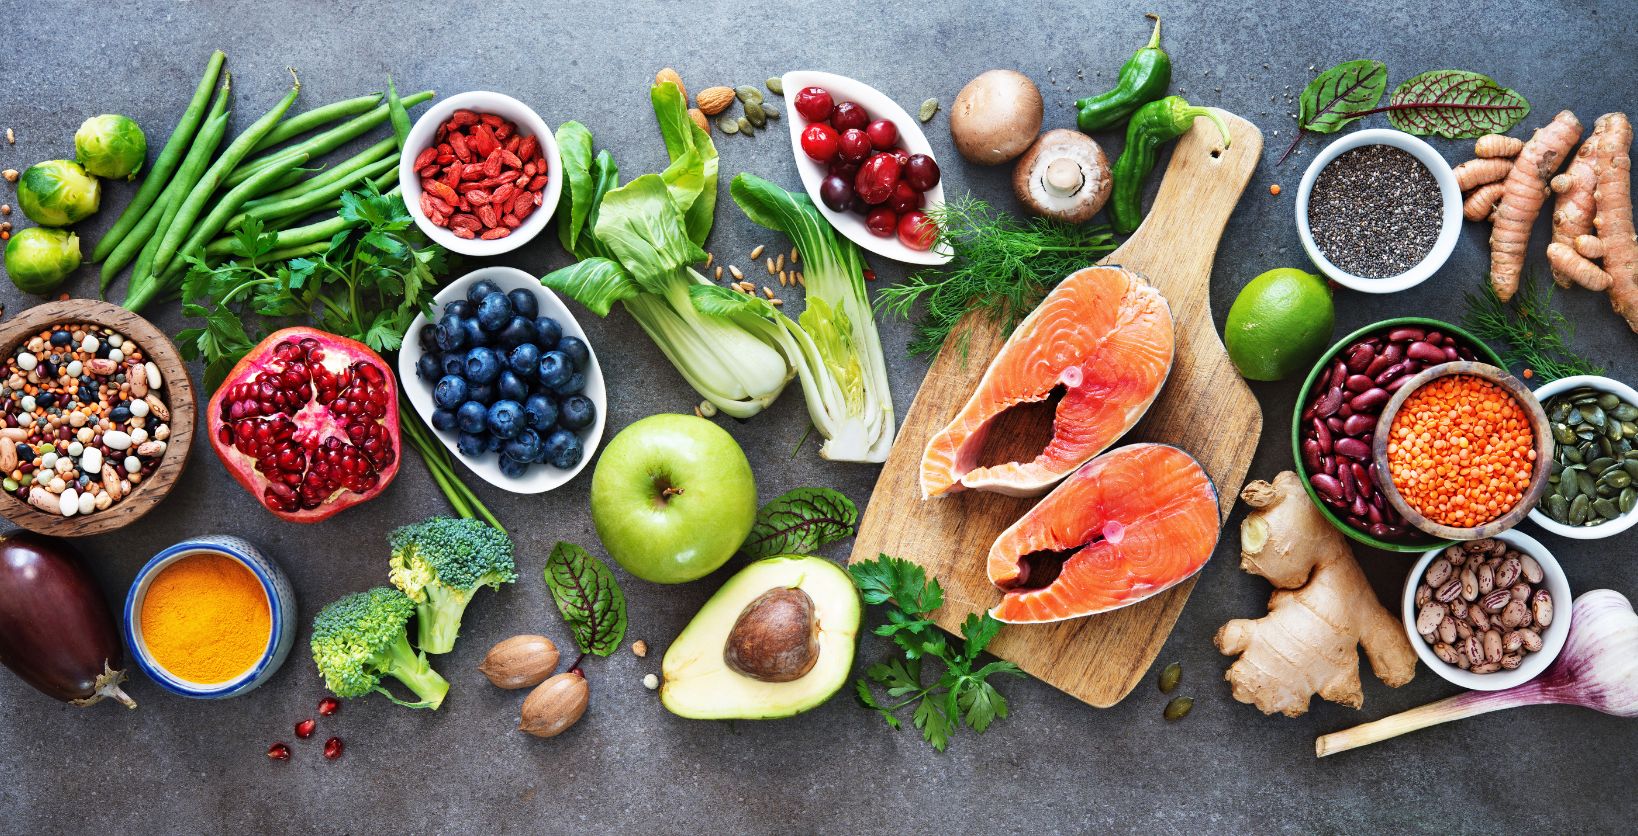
(1130, 524)
(1103, 334)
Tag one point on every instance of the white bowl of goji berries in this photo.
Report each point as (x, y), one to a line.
(481, 173)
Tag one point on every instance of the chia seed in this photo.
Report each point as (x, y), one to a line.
(1375, 211)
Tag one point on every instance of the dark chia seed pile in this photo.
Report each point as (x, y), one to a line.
(1375, 211)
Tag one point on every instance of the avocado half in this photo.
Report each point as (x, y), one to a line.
(698, 682)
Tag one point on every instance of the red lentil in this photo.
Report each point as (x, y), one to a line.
(1461, 451)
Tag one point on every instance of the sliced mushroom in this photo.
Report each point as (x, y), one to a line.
(1064, 175)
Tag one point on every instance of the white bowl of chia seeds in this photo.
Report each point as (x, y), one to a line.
(1379, 211)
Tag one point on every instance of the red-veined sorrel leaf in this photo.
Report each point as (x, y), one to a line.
(1454, 104)
(1338, 96)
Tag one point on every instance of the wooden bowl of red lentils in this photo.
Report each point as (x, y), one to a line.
(1466, 450)
(96, 417)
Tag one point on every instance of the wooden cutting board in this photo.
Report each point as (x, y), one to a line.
(1205, 408)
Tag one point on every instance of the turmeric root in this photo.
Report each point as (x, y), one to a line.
(1482, 202)
(1525, 189)
(1323, 608)
(1497, 145)
(1481, 170)
(1596, 194)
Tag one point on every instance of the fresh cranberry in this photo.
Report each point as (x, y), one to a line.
(278, 752)
(876, 179)
(814, 103)
(882, 221)
(328, 706)
(332, 748)
(901, 155)
(304, 729)
(844, 169)
(837, 193)
(905, 198)
(883, 134)
(854, 145)
(849, 115)
(921, 172)
(819, 142)
(917, 231)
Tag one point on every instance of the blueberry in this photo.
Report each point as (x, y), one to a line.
(540, 412)
(574, 384)
(460, 308)
(524, 303)
(577, 351)
(527, 447)
(563, 449)
(492, 443)
(450, 392)
(480, 289)
(470, 445)
(494, 311)
(443, 419)
(429, 367)
(122, 413)
(451, 336)
(483, 393)
(482, 366)
(453, 363)
(555, 369)
(511, 387)
(61, 338)
(512, 468)
(577, 412)
(505, 419)
(517, 332)
(524, 359)
(474, 334)
(427, 337)
(472, 417)
(547, 333)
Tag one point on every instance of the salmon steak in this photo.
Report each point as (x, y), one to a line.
(1130, 524)
(1103, 338)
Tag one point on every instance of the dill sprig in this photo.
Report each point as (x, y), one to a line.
(1003, 267)
(1527, 331)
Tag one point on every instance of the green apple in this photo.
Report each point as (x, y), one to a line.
(672, 498)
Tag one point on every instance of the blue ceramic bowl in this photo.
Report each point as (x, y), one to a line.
(281, 607)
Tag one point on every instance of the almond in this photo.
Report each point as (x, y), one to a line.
(670, 75)
(699, 119)
(714, 100)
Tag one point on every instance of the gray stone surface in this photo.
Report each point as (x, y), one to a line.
(176, 765)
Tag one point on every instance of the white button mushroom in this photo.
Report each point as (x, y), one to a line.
(1065, 175)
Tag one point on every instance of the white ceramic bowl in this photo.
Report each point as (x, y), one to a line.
(879, 106)
(1584, 532)
(529, 124)
(540, 477)
(1450, 225)
(1552, 640)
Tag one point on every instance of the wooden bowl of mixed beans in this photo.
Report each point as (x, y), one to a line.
(1464, 450)
(96, 417)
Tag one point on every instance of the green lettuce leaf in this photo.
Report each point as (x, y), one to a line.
(594, 282)
(574, 145)
(682, 135)
(640, 224)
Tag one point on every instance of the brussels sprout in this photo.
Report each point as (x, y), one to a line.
(38, 259)
(110, 146)
(58, 193)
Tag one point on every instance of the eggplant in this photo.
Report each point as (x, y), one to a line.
(56, 631)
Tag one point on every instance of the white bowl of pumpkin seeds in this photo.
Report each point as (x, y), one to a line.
(1595, 429)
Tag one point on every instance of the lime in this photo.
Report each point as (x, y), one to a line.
(1279, 324)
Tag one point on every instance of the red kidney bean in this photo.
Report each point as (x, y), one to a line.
(1394, 372)
(1359, 357)
(1345, 410)
(1335, 422)
(1397, 383)
(1308, 413)
(1359, 507)
(1405, 333)
(1450, 353)
(1374, 514)
(1353, 448)
(1339, 373)
(1381, 362)
(1322, 434)
(1426, 352)
(1311, 458)
(1394, 353)
(1379, 531)
(1358, 424)
(1465, 353)
(1326, 484)
(1375, 476)
(1371, 400)
(1346, 477)
(1363, 480)
(1434, 337)
(1328, 403)
(1359, 383)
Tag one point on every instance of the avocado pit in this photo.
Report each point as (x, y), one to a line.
(775, 638)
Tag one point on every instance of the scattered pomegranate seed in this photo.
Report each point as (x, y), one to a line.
(304, 729)
(869, 275)
(332, 748)
(329, 705)
(278, 752)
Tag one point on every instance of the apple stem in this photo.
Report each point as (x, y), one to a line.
(671, 491)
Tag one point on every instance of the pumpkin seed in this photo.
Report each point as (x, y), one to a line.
(1568, 487)
(745, 127)
(1178, 708)
(1587, 484)
(748, 94)
(1600, 464)
(1628, 500)
(1605, 509)
(1618, 479)
(769, 111)
(1561, 412)
(1169, 677)
(1625, 412)
(1592, 414)
(928, 108)
(1562, 433)
(775, 85)
(753, 112)
(1558, 508)
(1631, 467)
(1579, 509)
(1607, 401)
(1570, 454)
(728, 125)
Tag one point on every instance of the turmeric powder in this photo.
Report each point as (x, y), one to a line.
(205, 618)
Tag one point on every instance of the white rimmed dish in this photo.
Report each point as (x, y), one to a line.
(1450, 222)
(529, 124)
(1586, 532)
(540, 477)
(879, 106)
(1552, 639)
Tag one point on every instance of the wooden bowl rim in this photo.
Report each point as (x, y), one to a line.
(180, 400)
(1543, 440)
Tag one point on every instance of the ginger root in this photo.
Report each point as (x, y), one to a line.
(1525, 190)
(1322, 610)
(1595, 193)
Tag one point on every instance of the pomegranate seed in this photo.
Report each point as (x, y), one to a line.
(304, 729)
(332, 748)
(329, 705)
(278, 752)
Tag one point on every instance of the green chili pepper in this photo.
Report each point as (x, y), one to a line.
(1143, 78)
(1155, 123)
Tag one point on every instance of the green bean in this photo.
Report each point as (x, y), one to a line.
(323, 143)
(348, 166)
(399, 115)
(159, 175)
(213, 177)
(288, 179)
(322, 231)
(311, 201)
(309, 119)
(230, 202)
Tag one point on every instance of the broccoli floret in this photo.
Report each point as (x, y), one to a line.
(440, 564)
(361, 638)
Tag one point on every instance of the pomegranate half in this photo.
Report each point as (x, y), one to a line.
(308, 423)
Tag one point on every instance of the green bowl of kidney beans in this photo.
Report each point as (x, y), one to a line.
(1381, 352)
(1593, 478)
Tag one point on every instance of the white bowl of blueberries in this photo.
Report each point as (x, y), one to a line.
(507, 380)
